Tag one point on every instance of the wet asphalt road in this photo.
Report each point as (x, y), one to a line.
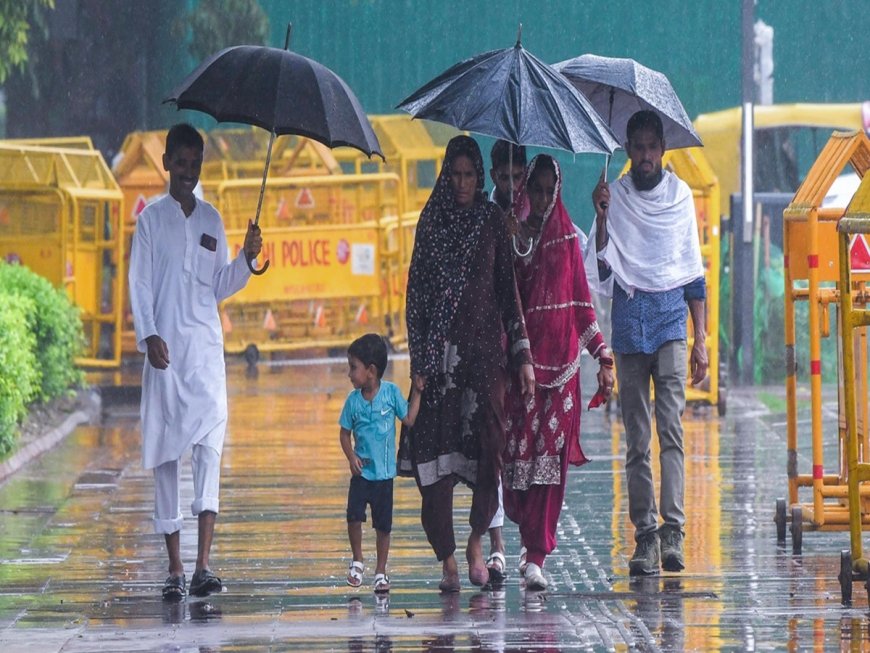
(80, 569)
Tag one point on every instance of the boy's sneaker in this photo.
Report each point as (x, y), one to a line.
(646, 558)
(672, 549)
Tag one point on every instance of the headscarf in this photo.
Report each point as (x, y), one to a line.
(444, 246)
(560, 317)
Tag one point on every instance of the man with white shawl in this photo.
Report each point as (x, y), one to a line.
(179, 272)
(644, 253)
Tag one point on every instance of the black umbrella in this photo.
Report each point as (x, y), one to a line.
(282, 92)
(513, 95)
(618, 88)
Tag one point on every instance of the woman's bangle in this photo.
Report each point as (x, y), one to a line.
(605, 358)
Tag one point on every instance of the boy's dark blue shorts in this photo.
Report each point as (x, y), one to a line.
(377, 494)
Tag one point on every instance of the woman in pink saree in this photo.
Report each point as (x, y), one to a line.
(543, 434)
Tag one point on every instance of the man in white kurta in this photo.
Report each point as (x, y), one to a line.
(179, 272)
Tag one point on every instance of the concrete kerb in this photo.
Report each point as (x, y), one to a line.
(89, 406)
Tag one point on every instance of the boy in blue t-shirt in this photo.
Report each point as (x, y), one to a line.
(370, 413)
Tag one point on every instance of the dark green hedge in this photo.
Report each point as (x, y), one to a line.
(40, 336)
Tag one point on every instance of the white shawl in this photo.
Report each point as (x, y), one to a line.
(653, 241)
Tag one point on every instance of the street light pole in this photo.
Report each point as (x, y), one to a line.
(744, 280)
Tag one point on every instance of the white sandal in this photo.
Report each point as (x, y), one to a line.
(382, 584)
(496, 565)
(522, 565)
(535, 581)
(355, 573)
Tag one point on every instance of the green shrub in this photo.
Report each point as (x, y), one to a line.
(56, 325)
(19, 378)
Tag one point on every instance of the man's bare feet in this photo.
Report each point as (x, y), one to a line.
(449, 575)
(478, 574)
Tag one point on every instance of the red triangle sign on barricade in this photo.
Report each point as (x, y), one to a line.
(859, 254)
(138, 205)
(305, 199)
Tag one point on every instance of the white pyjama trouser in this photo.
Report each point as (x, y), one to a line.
(498, 517)
(206, 466)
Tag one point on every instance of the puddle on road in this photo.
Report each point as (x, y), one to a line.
(79, 558)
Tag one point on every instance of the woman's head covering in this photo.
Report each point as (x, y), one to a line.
(446, 240)
(442, 194)
(560, 317)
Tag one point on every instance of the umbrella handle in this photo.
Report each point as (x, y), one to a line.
(604, 205)
(262, 191)
(253, 270)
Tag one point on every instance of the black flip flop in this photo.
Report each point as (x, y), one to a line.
(173, 588)
(204, 582)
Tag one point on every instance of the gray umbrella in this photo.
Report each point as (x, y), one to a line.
(511, 94)
(618, 88)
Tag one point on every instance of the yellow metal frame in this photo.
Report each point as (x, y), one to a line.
(857, 221)
(78, 186)
(720, 131)
(407, 144)
(690, 165)
(378, 202)
(811, 257)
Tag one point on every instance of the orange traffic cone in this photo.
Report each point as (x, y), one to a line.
(320, 317)
(283, 211)
(362, 315)
(226, 324)
(269, 323)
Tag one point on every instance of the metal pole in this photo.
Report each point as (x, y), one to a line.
(748, 36)
(742, 299)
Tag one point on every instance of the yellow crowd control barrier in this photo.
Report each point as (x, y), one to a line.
(854, 231)
(721, 132)
(812, 274)
(414, 150)
(236, 153)
(337, 261)
(690, 165)
(60, 214)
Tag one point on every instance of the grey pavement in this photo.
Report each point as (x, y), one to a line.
(81, 570)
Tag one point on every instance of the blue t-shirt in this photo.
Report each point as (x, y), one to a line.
(373, 424)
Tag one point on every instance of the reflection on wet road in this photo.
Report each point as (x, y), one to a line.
(81, 570)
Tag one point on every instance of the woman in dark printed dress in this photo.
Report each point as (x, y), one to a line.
(461, 299)
(543, 433)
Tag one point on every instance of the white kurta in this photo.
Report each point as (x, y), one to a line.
(175, 286)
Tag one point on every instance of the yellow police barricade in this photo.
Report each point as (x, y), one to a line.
(854, 273)
(60, 216)
(811, 264)
(398, 240)
(68, 142)
(690, 165)
(236, 153)
(332, 257)
(721, 133)
(414, 150)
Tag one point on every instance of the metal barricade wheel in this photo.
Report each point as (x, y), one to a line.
(780, 518)
(252, 355)
(797, 530)
(845, 577)
(722, 400)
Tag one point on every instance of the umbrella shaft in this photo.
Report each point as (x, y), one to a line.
(265, 175)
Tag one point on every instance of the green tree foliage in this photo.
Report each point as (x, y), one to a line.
(19, 379)
(54, 322)
(216, 24)
(15, 17)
